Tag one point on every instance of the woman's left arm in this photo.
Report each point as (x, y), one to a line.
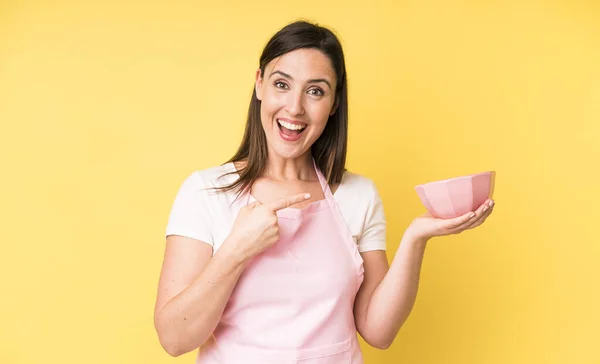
(388, 293)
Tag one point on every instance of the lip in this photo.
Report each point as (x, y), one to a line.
(289, 138)
(295, 122)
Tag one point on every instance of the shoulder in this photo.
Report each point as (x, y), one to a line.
(362, 208)
(201, 186)
(357, 195)
(357, 186)
(196, 210)
(198, 198)
(211, 177)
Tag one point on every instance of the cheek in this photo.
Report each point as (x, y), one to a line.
(272, 100)
(268, 107)
(320, 113)
(318, 125)
(319, 129)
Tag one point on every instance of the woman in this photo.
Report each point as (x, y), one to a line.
(278, 256)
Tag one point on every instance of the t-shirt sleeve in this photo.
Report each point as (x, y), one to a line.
(373, 236)
(190, 216)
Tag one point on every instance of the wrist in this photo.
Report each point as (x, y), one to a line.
(412, 238)
(232, 252)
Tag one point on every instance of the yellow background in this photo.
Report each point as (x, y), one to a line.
(107, 106)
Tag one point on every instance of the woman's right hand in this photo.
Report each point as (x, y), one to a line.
(256, 226)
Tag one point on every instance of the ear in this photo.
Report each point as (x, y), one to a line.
(258, 85)
(335, 106)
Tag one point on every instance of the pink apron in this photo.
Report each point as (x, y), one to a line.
(294, 302)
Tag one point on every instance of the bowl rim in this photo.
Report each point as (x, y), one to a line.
(490, 172)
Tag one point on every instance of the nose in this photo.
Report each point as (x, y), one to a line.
(295, 103)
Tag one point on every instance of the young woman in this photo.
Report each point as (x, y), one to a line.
(278, 255)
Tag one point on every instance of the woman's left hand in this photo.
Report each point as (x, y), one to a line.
(426, 226)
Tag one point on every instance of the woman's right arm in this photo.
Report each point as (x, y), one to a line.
(193, 289)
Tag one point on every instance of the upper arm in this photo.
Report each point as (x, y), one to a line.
(191, 214)
(189, 239)
(184, 259)
(373, 233)
(372, 247)
(376, 266)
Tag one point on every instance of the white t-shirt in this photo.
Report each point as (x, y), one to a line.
(206, 215)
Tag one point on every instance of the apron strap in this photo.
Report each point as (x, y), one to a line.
(324, 185)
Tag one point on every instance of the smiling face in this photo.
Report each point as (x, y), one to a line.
(297, 93)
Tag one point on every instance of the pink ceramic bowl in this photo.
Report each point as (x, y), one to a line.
(456, 196)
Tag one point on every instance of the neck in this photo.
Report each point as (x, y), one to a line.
(290, 169)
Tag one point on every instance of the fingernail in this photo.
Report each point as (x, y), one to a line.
(491, 203)
(485, 208)
(307, 196)
(472, 215)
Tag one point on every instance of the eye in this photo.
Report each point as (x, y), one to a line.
(316, 92)
(281, 85)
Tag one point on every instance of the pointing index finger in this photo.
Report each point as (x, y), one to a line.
(288, 201)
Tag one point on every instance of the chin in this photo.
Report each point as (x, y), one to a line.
(288, 153)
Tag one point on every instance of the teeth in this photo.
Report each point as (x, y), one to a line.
(290, 126)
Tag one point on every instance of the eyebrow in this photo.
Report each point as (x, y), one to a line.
(315, 80)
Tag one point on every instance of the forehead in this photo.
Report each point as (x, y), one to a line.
(303, 63)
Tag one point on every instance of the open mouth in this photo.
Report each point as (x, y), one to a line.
(290, 131)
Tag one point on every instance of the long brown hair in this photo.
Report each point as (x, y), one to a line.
(329, 150)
